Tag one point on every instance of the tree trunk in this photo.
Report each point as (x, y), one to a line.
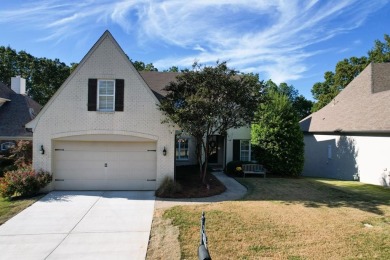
(206, 160)
(199, 149)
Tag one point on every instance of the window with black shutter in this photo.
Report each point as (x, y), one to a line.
(105, 95)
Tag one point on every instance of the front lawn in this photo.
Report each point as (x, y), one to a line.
(281, 218)
(9, 208)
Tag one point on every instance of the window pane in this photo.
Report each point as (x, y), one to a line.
(102, 87)
(110, 87)
(182, 149)
(244, 156)
(245, 145)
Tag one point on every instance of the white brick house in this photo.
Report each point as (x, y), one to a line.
(102, 129)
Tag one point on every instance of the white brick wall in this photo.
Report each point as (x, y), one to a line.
(66, 114)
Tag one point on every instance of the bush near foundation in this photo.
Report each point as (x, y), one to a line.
(23, 182)
(234, 168)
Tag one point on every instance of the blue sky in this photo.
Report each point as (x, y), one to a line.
(293, 41)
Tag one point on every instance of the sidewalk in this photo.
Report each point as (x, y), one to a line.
(234, 191)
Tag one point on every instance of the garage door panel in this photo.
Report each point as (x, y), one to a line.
(81, 165)
(79, 155)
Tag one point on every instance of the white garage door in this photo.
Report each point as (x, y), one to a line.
(104, 165)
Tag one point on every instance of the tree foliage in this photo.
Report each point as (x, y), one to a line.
(346, 70)
(301, 105)
(141, 66)
(209, 100)
(277, 140)
(43, 76)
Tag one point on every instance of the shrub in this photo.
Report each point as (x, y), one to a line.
(168, 188)
(277, 140)
(234, 168)
(19, 156)
(23, 182)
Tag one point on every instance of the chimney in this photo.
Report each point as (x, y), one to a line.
(18, 84)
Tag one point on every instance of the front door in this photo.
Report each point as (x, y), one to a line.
(216, 148)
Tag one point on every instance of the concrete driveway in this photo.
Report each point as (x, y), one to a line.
(81, 225)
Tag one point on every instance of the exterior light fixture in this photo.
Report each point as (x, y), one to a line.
(42, 150)
(164, 151)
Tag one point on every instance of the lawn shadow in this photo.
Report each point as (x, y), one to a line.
(310, 193)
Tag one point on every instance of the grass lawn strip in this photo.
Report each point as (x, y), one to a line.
(9, 208)
(290, 219)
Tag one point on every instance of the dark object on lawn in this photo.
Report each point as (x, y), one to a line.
(203, 252)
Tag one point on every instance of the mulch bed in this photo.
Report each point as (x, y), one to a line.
(192, 186)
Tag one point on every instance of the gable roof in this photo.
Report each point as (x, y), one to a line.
(17, 111)
(362, 107)
(156, 81)
(105, 36)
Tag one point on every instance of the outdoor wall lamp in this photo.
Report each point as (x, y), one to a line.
(42, 150)
(164, 151)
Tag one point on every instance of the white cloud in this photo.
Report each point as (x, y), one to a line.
(263, 36)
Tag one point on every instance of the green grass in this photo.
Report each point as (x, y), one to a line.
(9, 208)
(376, 192)
(302, 218)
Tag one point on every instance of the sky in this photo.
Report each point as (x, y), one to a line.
(292, 41)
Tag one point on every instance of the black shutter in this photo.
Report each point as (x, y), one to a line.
(92, 94)
(236, 150)
(119, 94)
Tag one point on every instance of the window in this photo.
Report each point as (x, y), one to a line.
(182, 149)
(245, 150)
(7, 145)
(106, 95)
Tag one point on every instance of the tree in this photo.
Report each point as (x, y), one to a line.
(277, 139)
(141, 66)
(301, 105)
(209, 100)
(172, 69)
(381, 51)
(47, 78)
(43, 76)
(345, 71)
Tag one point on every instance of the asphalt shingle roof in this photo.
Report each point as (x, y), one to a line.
(362, 107)
(158, 80)
(17, 112)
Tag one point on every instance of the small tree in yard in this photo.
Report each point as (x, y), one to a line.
(277, 140)
(210, 100)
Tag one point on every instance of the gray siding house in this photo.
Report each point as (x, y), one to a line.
(349, 139)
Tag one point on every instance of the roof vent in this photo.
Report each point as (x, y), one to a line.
(18, 84)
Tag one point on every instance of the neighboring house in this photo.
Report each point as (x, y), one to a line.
(349, 139)
(16, 110)
(102, 129)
